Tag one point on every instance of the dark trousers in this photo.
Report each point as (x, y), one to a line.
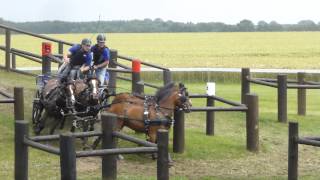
(69, 72)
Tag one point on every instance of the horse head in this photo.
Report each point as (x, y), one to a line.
(93, 84)
(182, 99)
(173, 96)
(70, 90)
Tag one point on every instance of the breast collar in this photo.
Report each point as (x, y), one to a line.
(161, 118)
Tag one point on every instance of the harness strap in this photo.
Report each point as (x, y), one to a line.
(167, 121)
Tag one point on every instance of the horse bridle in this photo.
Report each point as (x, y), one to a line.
(183, 97)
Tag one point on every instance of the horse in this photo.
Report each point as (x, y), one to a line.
(58, 99)
(150, 113)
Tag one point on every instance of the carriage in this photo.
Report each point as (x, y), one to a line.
(75, 103)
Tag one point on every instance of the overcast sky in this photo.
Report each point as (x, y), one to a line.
(227, 11)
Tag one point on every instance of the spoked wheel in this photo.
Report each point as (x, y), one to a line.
(37, 109)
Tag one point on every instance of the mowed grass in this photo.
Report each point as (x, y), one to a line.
(222, 156)
(293, 50)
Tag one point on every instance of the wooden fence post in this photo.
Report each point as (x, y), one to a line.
(109, 162)
(301, 95)
(46, 61)
(60, 48)
(13, 61)
(21, 131)
(113, 75)
(293, 151)
(166, 77)
(178, 132)
(18, 103)
(282, 98)
(140, 87)
(136, 69)
(67, 157)
(210, 117)
(8, 48)
(252, 122)
(163, 155)
(245, 84)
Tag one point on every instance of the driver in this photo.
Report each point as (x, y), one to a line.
(77, 61)
(101, 57)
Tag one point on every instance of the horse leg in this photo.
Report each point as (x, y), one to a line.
(55, 125)
(152, 133)
(120, 124)
(96, 142)
(60, 119)
(153, 138)
(85, 139)
(40, 124)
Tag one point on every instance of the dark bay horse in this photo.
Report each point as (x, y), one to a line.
(58, 100)
(148, 114)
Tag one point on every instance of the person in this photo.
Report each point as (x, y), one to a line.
(101, 57)
(77, 61)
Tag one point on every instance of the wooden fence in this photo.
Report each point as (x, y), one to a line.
(68, 153)
(282, 84)
(252, 120)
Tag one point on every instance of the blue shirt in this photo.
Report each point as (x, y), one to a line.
(85, 56)
(100, 55)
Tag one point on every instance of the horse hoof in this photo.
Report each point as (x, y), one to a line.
(120, 157)
(86, 147)
(154, 156)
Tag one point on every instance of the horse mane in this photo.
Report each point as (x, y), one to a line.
(164, 92)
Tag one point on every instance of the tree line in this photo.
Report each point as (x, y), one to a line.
(156, 25)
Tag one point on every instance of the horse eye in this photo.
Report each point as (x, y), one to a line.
(183, 99)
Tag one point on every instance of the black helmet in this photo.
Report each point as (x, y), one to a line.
(101, 38)
(86, 42)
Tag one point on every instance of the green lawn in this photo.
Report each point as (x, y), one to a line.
(255, 49)
(222, 156)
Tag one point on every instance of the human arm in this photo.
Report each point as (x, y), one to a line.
(106, 57)
(73, 49)
(86, 66)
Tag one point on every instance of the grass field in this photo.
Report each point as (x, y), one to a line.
(256, 50)
(222, 156)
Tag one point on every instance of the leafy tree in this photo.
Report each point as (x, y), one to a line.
(245, 26)
(262, 26)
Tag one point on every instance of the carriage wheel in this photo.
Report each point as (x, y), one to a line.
(37, 109)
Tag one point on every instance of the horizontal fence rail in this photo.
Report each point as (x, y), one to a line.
(42, 147)
(35, 35)
(216, 98)
(116, 151)
(133, 139)
(293, 151)
(57, 136)
(198, 109)
(308, 141)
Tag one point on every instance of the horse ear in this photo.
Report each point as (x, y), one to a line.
(181, 85)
